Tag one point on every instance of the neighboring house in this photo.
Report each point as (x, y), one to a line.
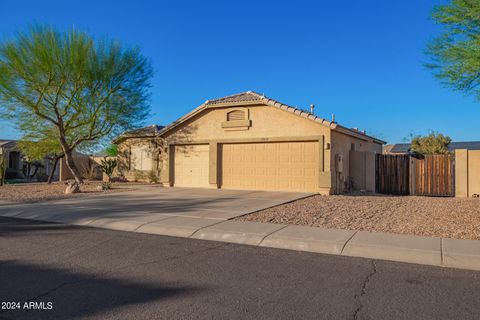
(13, 158)
(402, 148)
(16, 166)
(249, 141)
(88, 165)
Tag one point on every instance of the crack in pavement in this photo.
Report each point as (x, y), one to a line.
(363, 292)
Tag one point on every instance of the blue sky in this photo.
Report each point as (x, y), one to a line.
(362, 60)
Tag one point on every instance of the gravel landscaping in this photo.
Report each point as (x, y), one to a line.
(424, 216)
(34, 192)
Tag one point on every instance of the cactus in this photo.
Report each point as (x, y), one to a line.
(108, 167)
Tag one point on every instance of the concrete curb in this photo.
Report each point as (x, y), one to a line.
(442, 252)
(309, 239)
(238, 232)
(395, 247)
(464, 254)
(177, 226)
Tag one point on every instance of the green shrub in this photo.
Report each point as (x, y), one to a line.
(107, 185)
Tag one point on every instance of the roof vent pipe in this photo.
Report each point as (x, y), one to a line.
(333, 117)
(312, 108)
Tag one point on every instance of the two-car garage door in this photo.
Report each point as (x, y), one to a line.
(288, 166)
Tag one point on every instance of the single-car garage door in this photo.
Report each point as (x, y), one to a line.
(191, 166)
(289, 166)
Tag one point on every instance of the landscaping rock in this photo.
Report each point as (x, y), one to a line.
(34, 192)
(422, 216)
(72, 187)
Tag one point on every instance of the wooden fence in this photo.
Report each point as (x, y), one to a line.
(403, 175)
(392, 174)
(434, 176)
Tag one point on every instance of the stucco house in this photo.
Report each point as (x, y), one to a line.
(16, 164)
(249, 141)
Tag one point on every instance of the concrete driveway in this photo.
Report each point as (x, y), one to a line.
(131, 210)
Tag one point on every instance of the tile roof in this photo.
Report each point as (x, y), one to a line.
(239, 97)
(248, 97)
(7, 143)
(145, 131)
(253, 97)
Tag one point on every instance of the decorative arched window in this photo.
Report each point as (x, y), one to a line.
(236, 115)
(237, 119)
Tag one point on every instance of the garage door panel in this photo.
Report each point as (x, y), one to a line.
(289, 166)
(191, 166)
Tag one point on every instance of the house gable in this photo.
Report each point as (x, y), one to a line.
(251, 98)
(250, 122)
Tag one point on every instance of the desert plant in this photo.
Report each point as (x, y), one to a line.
(85, 90)
(112, 150)
(455, 53)
(108, 167)
(433, 143)
(107, 185)
(40, 143)
(153, 176)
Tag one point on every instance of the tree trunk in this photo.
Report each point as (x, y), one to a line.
(52, 171)
(3, 168)
(73, 168)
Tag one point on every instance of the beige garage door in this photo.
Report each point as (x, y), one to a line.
(289, 166)
(191, 166)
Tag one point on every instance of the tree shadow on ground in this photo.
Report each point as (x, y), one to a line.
(9, 226)
(78, 295)
(98, 208)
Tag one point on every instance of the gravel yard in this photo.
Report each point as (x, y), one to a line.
(33, 192)
(424, 216)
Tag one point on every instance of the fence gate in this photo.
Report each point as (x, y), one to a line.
(434, 176)
(392, 174)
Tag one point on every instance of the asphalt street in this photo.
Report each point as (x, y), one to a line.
(55, 271)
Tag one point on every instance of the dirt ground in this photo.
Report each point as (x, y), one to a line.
(34, 192)
(424, 216)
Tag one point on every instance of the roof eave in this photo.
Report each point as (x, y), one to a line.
(234, 104)
(358, 135)
(262, 100)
